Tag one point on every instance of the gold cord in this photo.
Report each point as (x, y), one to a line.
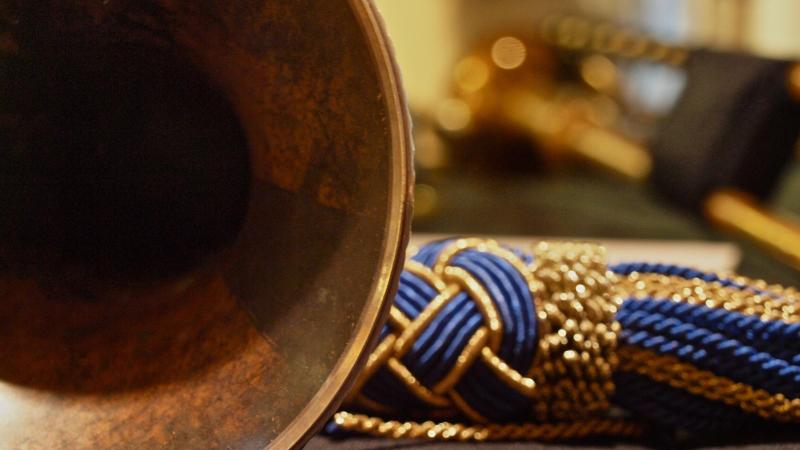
(577, 337)
(446, 431)
(670, 370)
(770, 303)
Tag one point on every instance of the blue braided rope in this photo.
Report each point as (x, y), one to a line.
(512, 298)
(764, 354)
(443, 340)
(385, 388)
(427, 254)
(436, 350)
(778, 338)
(743, 348)
(676, 408)
(628, 268)
(708, 350)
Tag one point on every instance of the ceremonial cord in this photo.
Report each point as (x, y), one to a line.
(557, 345)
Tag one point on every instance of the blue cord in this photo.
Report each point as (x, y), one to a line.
(762, 354)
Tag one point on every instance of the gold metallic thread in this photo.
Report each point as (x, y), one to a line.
(416, 387)
(447, 431)
(482, 300)
(576, 357)
(398, 319)
(511, 377)
(774, 304)
(471, 351)
(464, 407)
(425, 273)
(406, 339)
(671, 370)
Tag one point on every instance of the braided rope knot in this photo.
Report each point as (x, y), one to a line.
(487, 332)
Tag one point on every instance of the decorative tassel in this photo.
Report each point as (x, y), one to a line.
(558, 345)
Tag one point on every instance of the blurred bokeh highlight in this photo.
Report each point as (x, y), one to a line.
(551, 118)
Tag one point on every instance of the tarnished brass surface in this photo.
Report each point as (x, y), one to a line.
(738, 212)
(160, 288)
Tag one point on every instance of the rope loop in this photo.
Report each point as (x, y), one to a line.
(486, 332)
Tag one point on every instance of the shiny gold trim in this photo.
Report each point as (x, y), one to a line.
(415, 386)
(466, 409)
(368, 403)
(483, 301)
(377, 358)
(409, 335)
(464, 360)
(696, 291)
(446, 431)
(456, 247)
(380, 354)
(426, 274)
(507, 374)
(777, 290)
(670, 370)
(571, 372)
(577, 344)
(398, 319)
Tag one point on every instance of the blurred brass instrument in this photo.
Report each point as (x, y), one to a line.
(204, 211)
(511, 85)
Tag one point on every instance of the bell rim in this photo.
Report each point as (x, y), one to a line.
(397, 224)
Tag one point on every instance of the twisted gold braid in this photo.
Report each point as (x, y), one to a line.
(670, 370)
(775, 303)
(447, 431)
(577, 336)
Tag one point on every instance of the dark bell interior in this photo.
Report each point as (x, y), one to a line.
(123, 161)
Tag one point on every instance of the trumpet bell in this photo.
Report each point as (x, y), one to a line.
(204, 210)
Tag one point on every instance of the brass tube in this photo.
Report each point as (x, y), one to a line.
(737, 212)
(559, 130)
(612, 152)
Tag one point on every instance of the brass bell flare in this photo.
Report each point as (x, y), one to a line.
(204, 211)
